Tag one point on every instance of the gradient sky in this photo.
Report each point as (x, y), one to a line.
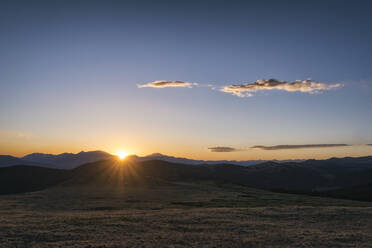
(69, 72)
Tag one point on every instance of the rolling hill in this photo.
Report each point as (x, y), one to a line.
(309, 176)
(21, 178)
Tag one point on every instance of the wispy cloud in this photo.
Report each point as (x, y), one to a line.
(306, 86)
(9, 135)
(164, 84)
(284, 147)
(15, 134)
(223, 149)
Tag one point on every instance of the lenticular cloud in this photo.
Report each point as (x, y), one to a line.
(164, 84)
(306, 86)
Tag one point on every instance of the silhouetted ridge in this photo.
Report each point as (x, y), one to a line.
(67, 160)
(309, 176)
(6, 160)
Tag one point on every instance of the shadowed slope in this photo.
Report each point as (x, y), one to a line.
(301, 177)
(311, 175)
(19, 179)
(359, 193)
(125, 172)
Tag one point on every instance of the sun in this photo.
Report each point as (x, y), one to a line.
(122, 155)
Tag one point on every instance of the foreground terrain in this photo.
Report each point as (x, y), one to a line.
(180, 214)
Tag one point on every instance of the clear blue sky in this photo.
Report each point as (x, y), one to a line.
(69, 72)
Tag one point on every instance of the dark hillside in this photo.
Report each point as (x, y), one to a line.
(25, 178)
(309, 176)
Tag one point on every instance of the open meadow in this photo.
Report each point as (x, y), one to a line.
(180, 215)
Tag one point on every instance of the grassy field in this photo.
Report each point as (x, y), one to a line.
(180, 215)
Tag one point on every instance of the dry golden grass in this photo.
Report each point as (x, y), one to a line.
(180, 215)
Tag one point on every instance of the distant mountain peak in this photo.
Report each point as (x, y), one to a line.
(157, 154)
(67, 160)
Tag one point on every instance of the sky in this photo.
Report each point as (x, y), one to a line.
(210, 80)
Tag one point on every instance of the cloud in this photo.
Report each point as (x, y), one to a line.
(15, 134)
(164, 84)
(284, 147)
(222, 149)
(306, 86)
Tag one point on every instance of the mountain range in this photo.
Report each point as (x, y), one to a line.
(349, 178)
(71, 160)
(60, 161)
(171, 159)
